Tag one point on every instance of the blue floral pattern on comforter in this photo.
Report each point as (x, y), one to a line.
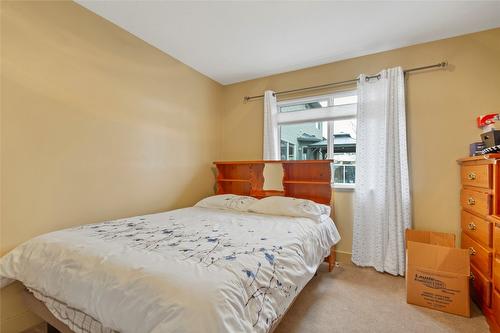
(266, 260)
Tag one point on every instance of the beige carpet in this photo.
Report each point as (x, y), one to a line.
(352, 299)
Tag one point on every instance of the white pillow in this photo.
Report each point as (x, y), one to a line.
(286, 206)
(227, 201)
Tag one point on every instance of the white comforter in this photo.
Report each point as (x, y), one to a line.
(187, 270)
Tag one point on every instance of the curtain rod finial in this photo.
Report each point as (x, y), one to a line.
(246, 99)
(444, 63)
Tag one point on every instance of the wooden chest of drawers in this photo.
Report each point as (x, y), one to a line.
(480, 223)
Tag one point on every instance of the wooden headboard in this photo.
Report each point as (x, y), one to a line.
(309, 179)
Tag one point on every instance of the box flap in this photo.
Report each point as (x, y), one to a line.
(430, 237)
(438, 258)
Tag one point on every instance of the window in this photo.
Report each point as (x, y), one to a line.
(301, 106)
(291, 151)
(287, 150)
(344, 151)
(319, 128)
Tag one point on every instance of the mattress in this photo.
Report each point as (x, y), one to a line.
(188, 270)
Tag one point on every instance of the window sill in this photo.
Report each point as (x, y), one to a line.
(344, 187)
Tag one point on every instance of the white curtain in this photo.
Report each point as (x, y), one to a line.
(382, 194)
(271, 131)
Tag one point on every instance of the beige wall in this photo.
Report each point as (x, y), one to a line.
(441, 110)
(95, 125)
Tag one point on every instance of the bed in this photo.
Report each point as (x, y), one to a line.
(201, 268)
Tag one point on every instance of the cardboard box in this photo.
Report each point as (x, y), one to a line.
(437, 273)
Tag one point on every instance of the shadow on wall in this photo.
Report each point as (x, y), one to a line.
(196, 188)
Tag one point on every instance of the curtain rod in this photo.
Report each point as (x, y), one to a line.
(442, 64)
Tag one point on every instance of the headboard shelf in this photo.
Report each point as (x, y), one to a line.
(274, 161)
(308, 179)
(267, 193)
(306, 182)
(234, 180)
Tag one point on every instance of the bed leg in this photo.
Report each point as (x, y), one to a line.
(51, 329)
(331, 259)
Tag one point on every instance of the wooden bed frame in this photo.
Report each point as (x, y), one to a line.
(309, 179)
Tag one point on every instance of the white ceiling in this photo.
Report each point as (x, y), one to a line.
(237, 41)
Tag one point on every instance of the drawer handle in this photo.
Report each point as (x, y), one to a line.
(472, 252)
(471, 226)
(471, 176)
(471, 201)
(472, 277)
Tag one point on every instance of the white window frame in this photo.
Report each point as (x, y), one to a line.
(329, 114)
